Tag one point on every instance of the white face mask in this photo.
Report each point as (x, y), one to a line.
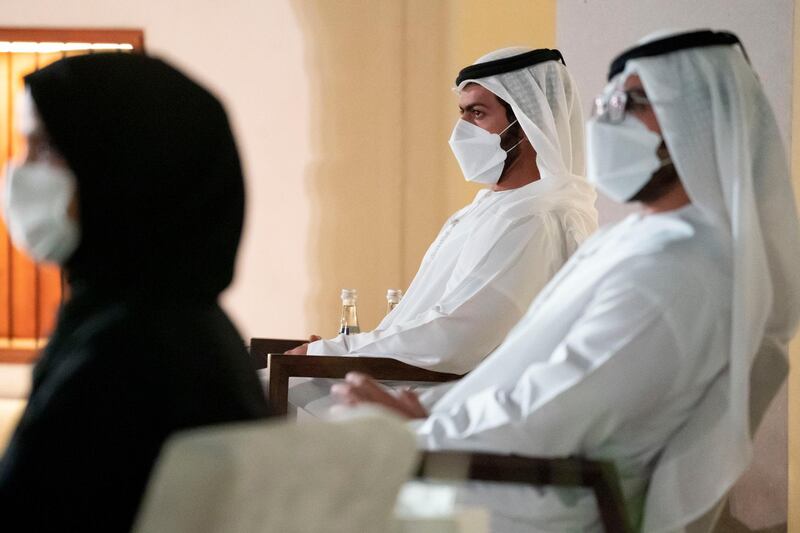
(621, 157)
(35, 204)
(478, 152)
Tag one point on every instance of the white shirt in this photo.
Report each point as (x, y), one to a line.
(608, 363)
(475, 282)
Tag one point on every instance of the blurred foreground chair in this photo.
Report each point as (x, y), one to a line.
(280, 477)
(282, 367)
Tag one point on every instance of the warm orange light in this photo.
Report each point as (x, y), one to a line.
(24, 47)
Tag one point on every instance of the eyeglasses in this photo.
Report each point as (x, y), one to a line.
(613, 106)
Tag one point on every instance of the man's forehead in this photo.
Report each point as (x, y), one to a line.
(474, 93)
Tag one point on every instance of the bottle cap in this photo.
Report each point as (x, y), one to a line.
(394, 294)
(349, 294)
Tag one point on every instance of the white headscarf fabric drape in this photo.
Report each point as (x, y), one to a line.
(546, 102)
(724, 140)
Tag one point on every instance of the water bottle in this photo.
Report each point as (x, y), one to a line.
(393, 297)
(349, 320)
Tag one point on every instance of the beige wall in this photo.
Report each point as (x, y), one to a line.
(794, 373)
(353, 178)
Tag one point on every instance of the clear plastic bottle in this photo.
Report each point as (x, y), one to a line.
(349, 321)
(393, 297)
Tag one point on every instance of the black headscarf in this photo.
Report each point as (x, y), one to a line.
(160, 186)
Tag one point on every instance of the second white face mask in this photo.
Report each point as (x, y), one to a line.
(621, 157)
(35, 207)
(478, 152)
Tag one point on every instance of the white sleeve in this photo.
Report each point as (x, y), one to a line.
(499, 272)
(618, 360)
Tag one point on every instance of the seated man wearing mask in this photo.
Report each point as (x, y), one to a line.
(521, 134)
(133, 185)
(642, 349)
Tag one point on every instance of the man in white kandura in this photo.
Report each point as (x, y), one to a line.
(643, 349)
(521, 134)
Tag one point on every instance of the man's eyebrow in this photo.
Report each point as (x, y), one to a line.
(470, 107)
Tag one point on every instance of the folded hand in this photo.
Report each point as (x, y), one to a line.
(360, 388)
(303, 348)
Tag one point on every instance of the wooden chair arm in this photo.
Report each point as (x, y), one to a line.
(261, 348)
(600, 476)
(282, 367)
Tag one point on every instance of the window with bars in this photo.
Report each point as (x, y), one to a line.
(31, 293)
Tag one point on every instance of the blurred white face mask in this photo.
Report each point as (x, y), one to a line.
(621, 156)
(478, 152)
(35, 207)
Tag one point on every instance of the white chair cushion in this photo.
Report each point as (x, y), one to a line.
(323, 477)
